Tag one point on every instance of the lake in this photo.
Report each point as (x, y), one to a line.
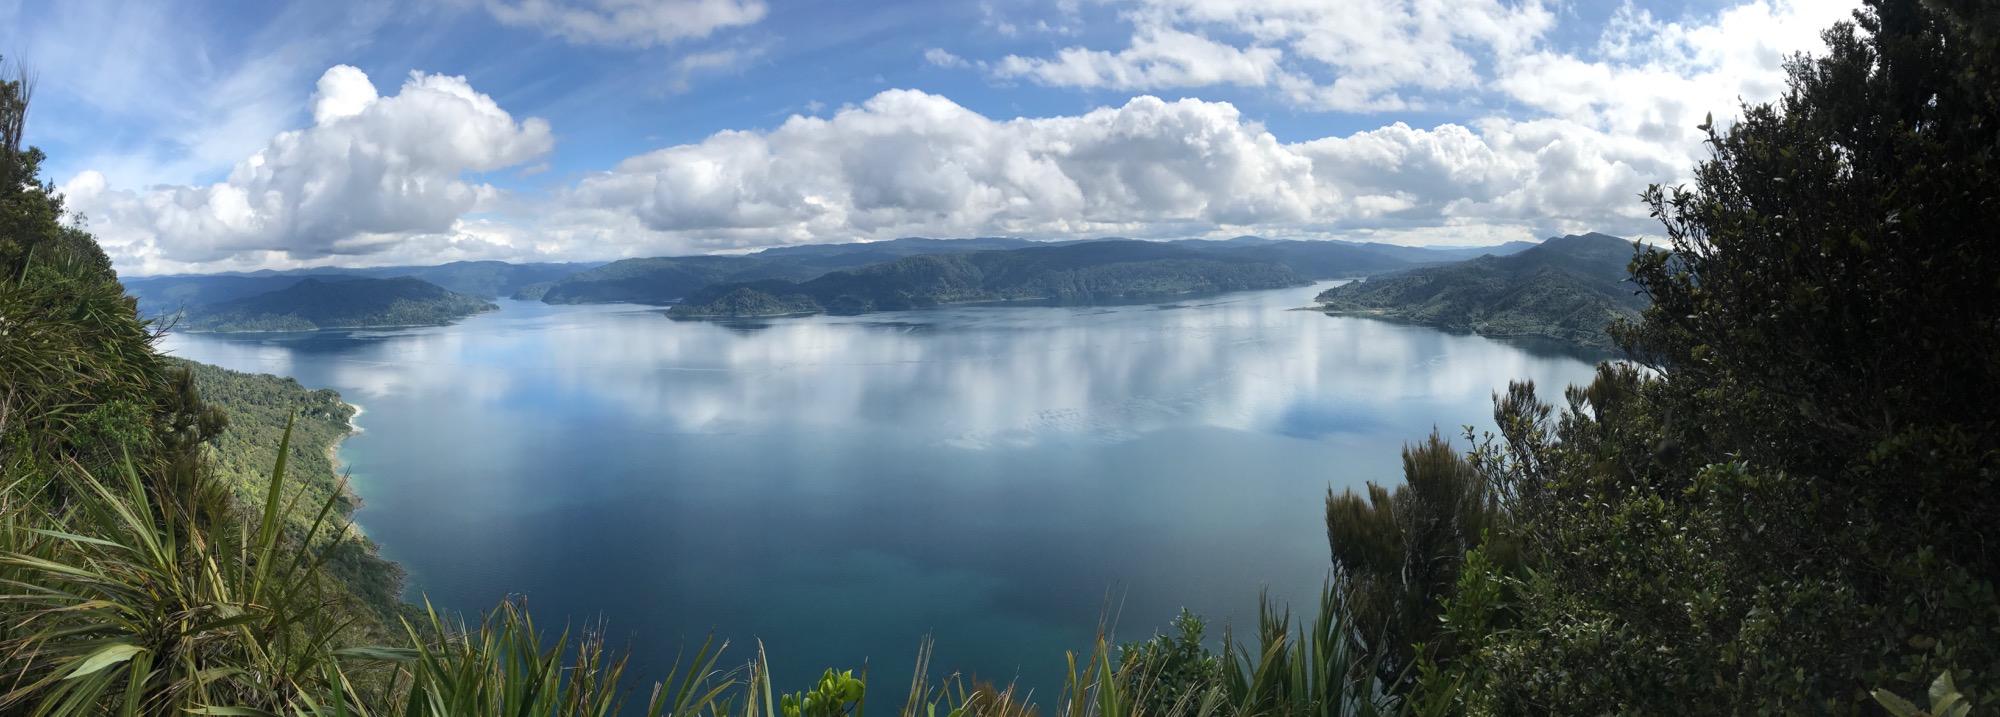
(999, 478)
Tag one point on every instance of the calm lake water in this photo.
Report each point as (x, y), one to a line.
(838, 487)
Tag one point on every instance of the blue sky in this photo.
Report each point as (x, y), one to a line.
(239, 134)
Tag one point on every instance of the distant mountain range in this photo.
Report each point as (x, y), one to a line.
(352, 302)
(1567, 288)
(668, 280)
(484, 279)
(1071, 272)
(797, 279)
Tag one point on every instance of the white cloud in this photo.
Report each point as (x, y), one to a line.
(910, 163)
(1580, 134)
(688, 66)
(370, 175)
(1158, 58)
(635, 23)
(937, 56)
(1358, 55)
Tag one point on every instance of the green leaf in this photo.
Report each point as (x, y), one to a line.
(1895, 704)
(1942, 689)
(105, 657)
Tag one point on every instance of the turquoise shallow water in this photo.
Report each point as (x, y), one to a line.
(838, 487)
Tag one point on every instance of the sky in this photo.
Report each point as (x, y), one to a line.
(230, 135)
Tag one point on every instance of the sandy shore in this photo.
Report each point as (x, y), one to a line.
(353, 429)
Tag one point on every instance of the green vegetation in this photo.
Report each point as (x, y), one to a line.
(1567, 288)
(1789, 507)
(258, 407)
(703, 280)
(1786, 507)
(163, 295)
(313, 304)
(1073, 272)
(481, 279)
(663, 280)
(533, 292)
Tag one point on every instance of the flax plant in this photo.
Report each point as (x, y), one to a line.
(130, 602)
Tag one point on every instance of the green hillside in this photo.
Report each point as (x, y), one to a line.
(353, 303)
(1568, 288)
(1074, 272)
(257, 406)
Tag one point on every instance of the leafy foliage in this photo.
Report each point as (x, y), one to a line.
(1792, 508)
(1397, 555)
(259, 407)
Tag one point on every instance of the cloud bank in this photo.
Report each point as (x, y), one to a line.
(370, 173)
(910, 163)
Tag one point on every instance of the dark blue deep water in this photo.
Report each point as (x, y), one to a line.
(839, 487)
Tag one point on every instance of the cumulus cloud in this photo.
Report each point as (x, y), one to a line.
(910, 163)
(370, 174)
(632, 23)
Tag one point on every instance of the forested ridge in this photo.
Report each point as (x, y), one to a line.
(1782, 503)
(1074, 272)
(312, 304)
(1567, 288)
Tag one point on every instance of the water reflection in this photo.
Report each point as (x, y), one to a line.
(840, 486)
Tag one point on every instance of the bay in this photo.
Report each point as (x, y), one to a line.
(1001, 478)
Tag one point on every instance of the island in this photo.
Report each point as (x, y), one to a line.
(1080, 272)
(1568, 289)
(313, 303)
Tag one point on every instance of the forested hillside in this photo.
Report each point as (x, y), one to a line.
(352, 303)
(1074, 272)
(1567, 288)
(258, 406)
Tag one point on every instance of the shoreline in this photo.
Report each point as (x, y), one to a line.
(353, 429)
(344, 477)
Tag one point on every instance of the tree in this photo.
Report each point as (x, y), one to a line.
(1396, 555)
(1797, 505)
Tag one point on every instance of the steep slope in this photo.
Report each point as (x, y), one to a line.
(356, 303)
(1568, 288)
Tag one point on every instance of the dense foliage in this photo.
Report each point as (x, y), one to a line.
(1399, 554)
(1074, 272)
(1788, 506)
(1567, 288)
(259, 407)
(313, 304)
